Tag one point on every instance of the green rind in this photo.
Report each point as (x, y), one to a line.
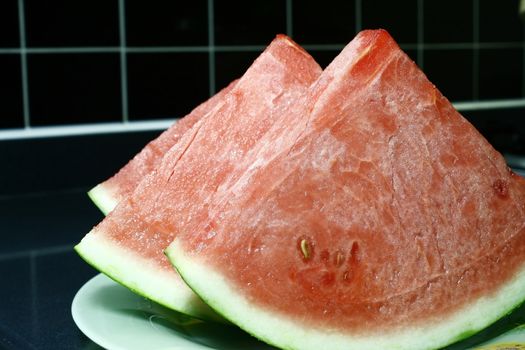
(102, 198)
(281, 331)
(142, 277)
(210, 303)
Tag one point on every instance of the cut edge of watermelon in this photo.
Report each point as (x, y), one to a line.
(103, 198)
(279, 331)
(142, 277)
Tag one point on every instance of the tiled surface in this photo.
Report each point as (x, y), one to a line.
(451, 72)
(499, 21)
(398, 17)
(59, 23)
(232, 65)
(10, 92)
(36, 303)
(333, 22)
(120, 60)
(504, 129)
(324, 57)
(240, 22)
(164, 85)
(167, 23)
(44, 221)
(72, 88)
(498, 69)
(9, 34)
(448, 21)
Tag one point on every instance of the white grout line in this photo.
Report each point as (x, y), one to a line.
(245, 48)
(23, 63)
(358, 16)
(168, 49)
(123, 61)
(492, 104)
(523, 65)
(289, 18)
(211, 47)
(34, 294)
(84, 129)
(475, 47)
(156, 125)
(420, 33)
(35, 253)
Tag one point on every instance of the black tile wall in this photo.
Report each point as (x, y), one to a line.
(239, 22)
(71, 23)
(443, 25)
(498, 72)
(232, 65)
(167, 50)
(451, 71)
(164, 85)
(73, 89)
(167, 23)
(398, 17)
(499, 21)
(323, 57)
(503, 128)
(10, 92)
(9, 33)
(333, 22)
(411, 53)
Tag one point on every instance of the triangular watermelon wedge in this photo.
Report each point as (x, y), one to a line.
(128, 244)
(109, 193)
(387, 222)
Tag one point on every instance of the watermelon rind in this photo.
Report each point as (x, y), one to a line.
(143, 277)
(279, 330)
(103, 198)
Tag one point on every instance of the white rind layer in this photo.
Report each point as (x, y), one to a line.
(103, 198)
(142, 276)
(283, 332)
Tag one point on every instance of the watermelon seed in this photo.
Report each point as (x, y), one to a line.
(347, 276)
(353, 258)
(305, 248)
(325, 256)
(339, 258)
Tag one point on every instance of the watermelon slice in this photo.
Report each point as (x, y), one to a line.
(128, 245)
(107, 194)
(385, 221)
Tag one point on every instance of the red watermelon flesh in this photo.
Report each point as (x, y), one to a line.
(384, 221)
(128, 244)
(108, 193)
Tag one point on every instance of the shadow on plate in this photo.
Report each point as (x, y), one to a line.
(213, 335)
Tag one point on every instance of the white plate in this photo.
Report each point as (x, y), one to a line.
(115, 318)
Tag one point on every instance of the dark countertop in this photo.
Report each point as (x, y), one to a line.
(40, 272)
